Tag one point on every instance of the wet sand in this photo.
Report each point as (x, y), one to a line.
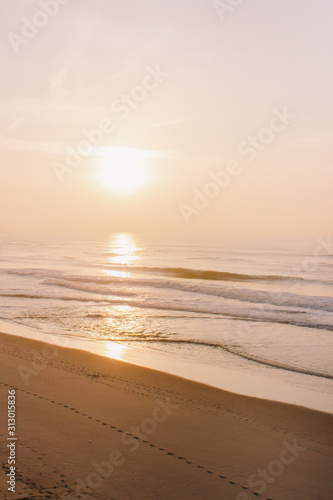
(92, 427)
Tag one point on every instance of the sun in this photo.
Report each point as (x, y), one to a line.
(123, 170)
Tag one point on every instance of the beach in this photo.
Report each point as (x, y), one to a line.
(92, 427)
(242, 318)
(166, 250)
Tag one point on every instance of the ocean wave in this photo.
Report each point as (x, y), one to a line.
(230, 350)
(89, 288)
(116, 285)
(197, 274)
(50, 297)
(224, 310)
(223, 276)
(285, 299)
(38, 272)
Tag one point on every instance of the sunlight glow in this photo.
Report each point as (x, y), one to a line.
(124, 248)
(123, 170)
(114, 350)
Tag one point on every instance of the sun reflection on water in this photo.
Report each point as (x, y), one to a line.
(124, 248)
(119, 320)
(114, 350)
(122, 321)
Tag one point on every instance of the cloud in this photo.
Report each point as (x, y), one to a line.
(24, 145)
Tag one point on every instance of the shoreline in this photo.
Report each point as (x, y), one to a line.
(189, 439)
(266, 386)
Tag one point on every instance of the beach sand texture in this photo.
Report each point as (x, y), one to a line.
(87, 424)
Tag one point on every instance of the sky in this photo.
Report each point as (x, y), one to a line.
(222, 111)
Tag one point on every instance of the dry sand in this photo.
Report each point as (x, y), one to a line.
(184, 439)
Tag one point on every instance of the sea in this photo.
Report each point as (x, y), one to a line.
(255, 318)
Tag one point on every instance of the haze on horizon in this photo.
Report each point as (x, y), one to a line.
(185, 88)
